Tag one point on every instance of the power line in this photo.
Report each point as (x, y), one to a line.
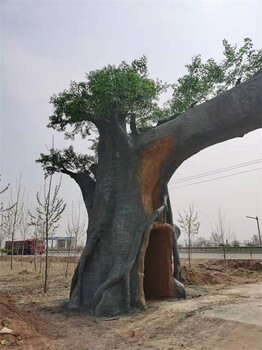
(74, 205)
(78, 203)
(213, 172)
(216, 178)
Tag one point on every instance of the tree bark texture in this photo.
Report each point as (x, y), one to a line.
(130, 237)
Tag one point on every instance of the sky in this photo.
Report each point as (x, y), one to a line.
(46, 44)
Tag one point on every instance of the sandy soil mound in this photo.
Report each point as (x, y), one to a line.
(19, 323)
(253, 265)
(218, 271)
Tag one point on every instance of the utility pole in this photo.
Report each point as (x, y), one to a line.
(258, 229)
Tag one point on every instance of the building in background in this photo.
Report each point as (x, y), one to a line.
(61, 243)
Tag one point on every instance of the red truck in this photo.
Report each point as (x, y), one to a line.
(30, 247)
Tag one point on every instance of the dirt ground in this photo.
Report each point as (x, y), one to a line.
(213, 316)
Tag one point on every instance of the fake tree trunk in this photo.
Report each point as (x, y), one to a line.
(127, 257)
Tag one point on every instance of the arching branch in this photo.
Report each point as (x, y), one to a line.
(133, 126)
(86, 184)
(120, 136)
(68, 172)
(231, 114)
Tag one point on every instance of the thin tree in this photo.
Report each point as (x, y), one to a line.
(221, 234)
(254, 240)
(24, 229)
(49, 210)
(189, 225)
(38, 232)
(16, 212)
(3, 232)
(201, 242)
(2, 209)
(12, 217)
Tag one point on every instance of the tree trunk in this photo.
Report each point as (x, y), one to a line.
(130, 233)
(102, 281)
(189, 250)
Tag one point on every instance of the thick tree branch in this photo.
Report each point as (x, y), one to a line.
(120, 137)
(231, 114)
(68, 172)
(133, 126)
(86, 184)
(163, 121)
(93, 169)
(96, 121)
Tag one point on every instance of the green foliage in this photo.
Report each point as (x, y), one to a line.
(206, 80)
(124, 89)
(64, 159)
(4, 251)
(71, 109)
(116, 91)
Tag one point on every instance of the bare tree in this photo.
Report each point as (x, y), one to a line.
(221, 234)
(3, 232)
(75, 229)
(49, 210)
(5, 227)
(2, 209)
(24, 229)
(254, 241)
(37, 233)
(201, 242)
(12, 217)
(189, 225)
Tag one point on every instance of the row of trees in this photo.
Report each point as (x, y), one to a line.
(40, 222)
(221, 233)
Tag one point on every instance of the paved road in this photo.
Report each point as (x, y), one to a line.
(249, 311)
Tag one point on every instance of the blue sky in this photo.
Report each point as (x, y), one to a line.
(46, 44)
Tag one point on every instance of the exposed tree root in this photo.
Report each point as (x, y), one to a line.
(76, 286)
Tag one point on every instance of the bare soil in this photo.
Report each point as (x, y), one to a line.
(40, 321)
